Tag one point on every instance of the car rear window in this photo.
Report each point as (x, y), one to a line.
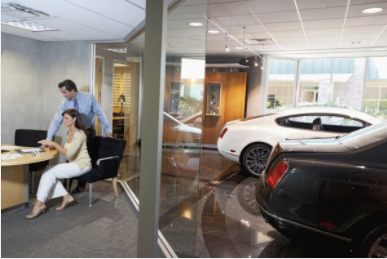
(259, 116)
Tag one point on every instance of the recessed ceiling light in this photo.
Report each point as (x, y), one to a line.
(372, 10)
(29, 26)
(195, 24)
(238, 47)
(213, 31)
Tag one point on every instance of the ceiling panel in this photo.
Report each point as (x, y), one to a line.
(364, 21)
(322, 24)
(190, 9)
(359, 2)
(289, 26)
(265, 6)
(323, 32)
(282, 34)
(363, 29)
(288, 16)
(323, 14)
(193, 2)
(237, 20)
(122, 11)
(319, 4)
(141, 3)
(323, 38)
(78, 15)
(227, 9)
(324, 45)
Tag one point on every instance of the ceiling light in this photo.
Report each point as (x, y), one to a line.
(118, 50)
(213, 31)
(29, 26)
(227, 49)
(195, 24)
(238, 47)
(372, 10)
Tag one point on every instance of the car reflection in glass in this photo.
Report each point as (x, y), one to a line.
(331, 189)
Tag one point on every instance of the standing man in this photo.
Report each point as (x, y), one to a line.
(88, 107)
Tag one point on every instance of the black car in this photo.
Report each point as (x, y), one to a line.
(330, 190)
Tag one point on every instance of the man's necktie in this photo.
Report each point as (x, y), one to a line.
(76, 107)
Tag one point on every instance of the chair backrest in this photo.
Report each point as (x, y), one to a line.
(29, 137)
(107, 147)
(317, 124)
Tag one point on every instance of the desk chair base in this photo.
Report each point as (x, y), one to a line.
(91, 190)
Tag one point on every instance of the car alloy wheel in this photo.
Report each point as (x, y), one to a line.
(379, 248)
(255, 158)
(374, 244)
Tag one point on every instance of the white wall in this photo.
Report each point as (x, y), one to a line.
(31, 71)
(22, 105)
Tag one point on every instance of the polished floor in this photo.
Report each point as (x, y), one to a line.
(208, 209)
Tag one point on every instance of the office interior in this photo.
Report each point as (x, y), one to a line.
(240, 59)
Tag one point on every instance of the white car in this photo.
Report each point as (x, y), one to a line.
(249, 141)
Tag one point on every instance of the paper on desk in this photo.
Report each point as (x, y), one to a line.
(10, 156)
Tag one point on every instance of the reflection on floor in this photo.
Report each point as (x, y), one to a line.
(208, 209)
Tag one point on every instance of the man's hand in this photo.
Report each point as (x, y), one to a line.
(109, 135)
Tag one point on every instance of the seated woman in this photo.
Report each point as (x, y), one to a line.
(76, 153)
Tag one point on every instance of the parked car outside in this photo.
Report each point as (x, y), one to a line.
(330, 189)
(249, 141)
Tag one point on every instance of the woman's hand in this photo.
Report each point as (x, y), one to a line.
(47, 143)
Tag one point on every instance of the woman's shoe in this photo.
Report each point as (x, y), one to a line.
(37, 214)
(70, 203)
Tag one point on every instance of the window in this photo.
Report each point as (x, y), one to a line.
(281, 85)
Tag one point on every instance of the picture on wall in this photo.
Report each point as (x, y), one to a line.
(213, 99)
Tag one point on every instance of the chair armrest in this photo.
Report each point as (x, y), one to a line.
(107, 167)
(105, 158)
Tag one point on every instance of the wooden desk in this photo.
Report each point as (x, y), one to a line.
(15, 175)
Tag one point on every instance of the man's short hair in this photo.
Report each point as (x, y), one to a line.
(70, 85)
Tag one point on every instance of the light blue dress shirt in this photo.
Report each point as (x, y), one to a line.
(88, 108)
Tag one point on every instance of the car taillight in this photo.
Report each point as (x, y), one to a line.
(223, 132)
(276, 173)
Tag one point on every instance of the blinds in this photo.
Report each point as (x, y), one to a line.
(122, 85)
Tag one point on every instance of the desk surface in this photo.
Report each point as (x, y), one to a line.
(26, 158)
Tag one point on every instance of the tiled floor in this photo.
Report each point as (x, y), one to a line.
(208, 209)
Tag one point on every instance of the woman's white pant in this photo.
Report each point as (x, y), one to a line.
(51, 187)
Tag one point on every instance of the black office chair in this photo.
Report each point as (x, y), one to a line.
(106, 158)
(30, 138)
(317, 124)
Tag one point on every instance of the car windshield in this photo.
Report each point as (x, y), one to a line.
(365, 137)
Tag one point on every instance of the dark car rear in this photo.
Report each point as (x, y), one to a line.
(333, 189)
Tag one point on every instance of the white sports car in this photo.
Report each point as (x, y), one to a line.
(249, 141)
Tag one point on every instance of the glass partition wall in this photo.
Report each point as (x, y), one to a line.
(182, 128)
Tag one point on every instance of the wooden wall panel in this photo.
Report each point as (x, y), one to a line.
(232, 103)
(235, 96)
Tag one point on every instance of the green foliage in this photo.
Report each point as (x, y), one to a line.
(190, 105)
(274, 103)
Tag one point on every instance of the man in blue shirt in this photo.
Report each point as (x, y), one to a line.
(88, 107)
